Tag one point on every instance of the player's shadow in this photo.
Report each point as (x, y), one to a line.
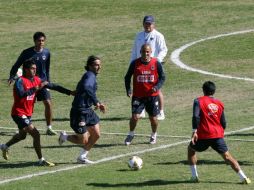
(55, 119)
(4, 165)
(115, 118)
(207, 162)
(74, 146)
(240, 135)
(157, 182)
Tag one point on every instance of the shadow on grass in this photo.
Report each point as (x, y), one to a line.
(157, 182)
(208, 162)
(9, 133)
(74, 145)
(240, 135)
(17, 164)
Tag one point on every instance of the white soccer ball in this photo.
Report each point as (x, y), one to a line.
(19, 72)
(135, 163)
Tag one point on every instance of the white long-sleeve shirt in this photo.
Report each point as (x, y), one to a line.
(155, 39)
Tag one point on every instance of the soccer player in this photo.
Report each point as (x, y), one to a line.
(148, 77)
(208, 124)
(41, 57)
(83, 120)
(24, 92)
(159, 50)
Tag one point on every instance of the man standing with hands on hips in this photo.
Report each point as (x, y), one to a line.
(159, 50)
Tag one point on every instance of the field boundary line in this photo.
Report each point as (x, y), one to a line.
(175, 56)
(111, 158)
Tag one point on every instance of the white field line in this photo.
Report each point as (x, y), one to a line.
(111, 158)
(175, 56)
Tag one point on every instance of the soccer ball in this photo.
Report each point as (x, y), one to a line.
(19, 72)
(135, 163)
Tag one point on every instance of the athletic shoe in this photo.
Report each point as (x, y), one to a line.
(194, 179)
(246, 181)
(161, 115)
(153, 140)
(46, 163)
(142, 114)
(50, 132)
(128, 139)
(5, 153)
(84, 161)
(61, 139)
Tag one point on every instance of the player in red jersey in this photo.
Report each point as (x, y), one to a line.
(24, 93)
(208, 124)
(148, 77)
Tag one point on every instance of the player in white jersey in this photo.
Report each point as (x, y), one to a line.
(159, 50)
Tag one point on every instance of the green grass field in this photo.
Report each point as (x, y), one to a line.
(77, 29)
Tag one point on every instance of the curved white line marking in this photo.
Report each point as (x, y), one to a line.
(175, 56)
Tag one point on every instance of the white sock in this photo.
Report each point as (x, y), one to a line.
(40, 160)
(242, 175)
(131, 133)
(83, 153)
(194, 171)
(65, 136)
(49, 127)
(154, 134)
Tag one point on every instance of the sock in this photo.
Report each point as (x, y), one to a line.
(154, 134)
(41, 160)
(83, 153)
(49, 127)
(194, 171)
(65, 136)
(242, 175)
(131, 133)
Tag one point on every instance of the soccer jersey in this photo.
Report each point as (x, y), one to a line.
(145, 77)
(41, 59)
(211, 111)
(86, 92)
(24, 96)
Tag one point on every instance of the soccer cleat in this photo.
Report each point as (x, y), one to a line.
(46, 163)
(152, 140)
(128, 139)
(246, 181)
(84, 161)
(161, 115)
(5, 153)
(142, 114)
(194, 179)
(51, 132)
(61, 139)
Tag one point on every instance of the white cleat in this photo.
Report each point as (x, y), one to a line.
(84, 161)
(61, 139)
(161, 115)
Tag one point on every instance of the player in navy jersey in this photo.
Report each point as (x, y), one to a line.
(208, 124)
(41, 56)
(83, 119)
(148, 77)
(24, 92)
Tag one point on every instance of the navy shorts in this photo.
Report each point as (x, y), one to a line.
(81, 120)
(43, 94)
(22, 121)
(150, 104)
(217, 144)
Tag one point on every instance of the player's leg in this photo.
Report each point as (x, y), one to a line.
(137, 105)
(192, 159)
(152, 108)
(21, 122)
(161, 115)
(220, 146)
(37, 145)
(44, 95)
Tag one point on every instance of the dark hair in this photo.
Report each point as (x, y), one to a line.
(90, 61)
(37, 35)
(209, 88)
(28, 63)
